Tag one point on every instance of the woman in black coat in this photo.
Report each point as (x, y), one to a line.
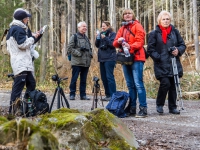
(164, 43)
(107, 58)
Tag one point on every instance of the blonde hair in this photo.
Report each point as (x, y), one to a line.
(162, 13)
(128, 10)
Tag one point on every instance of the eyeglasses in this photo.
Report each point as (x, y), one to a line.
(128, 13)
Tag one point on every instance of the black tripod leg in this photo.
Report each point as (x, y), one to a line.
(53, 100)
(58, 102)
(62, 93)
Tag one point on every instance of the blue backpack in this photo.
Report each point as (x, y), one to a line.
(117, 104)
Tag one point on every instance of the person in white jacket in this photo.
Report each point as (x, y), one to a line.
(19, 41)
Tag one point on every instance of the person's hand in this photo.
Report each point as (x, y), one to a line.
(36, 34)
(175, 52)
(120, 40)
(126, 45)
(103, 36)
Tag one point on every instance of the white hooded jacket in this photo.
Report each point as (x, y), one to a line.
(19, 42)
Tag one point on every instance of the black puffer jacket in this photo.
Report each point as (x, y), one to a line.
(159, 52)
(106, 50)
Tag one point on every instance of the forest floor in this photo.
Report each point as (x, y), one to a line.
(155, 132)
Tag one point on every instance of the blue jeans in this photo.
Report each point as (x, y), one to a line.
(83, 71)
(134, 81)
(107, 76)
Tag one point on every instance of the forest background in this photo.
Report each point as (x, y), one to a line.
(62, 17)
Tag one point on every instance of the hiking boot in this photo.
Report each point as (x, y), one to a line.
(72, 97)
(174, 111)
(130, 111)
(85, 98)
(107, 98)
(159, 109)
(142, 113)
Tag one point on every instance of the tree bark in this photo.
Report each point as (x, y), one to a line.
(195, 32)
(43, 63)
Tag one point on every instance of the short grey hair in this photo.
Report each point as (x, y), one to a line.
(162, 13)
(80, 23)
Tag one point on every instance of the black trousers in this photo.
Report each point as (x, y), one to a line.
(83, 71)
(167, 86)
(24, 78)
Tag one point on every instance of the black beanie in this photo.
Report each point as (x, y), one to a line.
(20, 15)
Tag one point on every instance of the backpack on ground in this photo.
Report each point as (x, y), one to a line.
(117, 104)
(39, 102)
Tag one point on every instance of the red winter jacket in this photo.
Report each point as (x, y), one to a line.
(136, 42)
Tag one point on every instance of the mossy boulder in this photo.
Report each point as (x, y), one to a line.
(2, 120)
(25, 134)
(68, 129)
(96, 130)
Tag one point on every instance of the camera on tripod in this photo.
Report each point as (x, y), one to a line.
(171, 49)
(55, 77)
(96, 84)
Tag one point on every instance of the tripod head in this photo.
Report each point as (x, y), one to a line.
(96, 87)
(57, 79)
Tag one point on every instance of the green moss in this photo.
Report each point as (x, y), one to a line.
(3, 120)
(119, 145)
(59, 119)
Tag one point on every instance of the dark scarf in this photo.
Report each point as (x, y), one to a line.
(165, 32)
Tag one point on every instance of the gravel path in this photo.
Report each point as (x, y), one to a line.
(156, 132)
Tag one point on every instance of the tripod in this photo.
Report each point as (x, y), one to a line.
(60, 93)
(96, 90)
(177, 83)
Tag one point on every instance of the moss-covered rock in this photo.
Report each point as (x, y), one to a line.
(69, 129)
(23, 134)
(2, 120)
(97, 129)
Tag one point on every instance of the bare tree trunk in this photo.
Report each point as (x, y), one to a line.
(137, 10)
(178, 14)
(92, 22)
(68, 19)
(191, 22)
(63, 28)
(112, 14)
(171, 11)
(186, 20)
(86, 14)
(73, 16)
(51, 27)
(43, 64)
(154, 15)
(166, 5)
(125, 3)
(196, 38)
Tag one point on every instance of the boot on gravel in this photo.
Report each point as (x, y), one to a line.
(142, 113)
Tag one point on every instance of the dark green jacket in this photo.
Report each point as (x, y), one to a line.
(81, 52)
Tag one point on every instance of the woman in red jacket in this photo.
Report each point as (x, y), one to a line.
(131, 35)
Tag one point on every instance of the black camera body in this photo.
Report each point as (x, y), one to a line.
(96, 88)
(55, 77)
(171, 49)
(84, 49)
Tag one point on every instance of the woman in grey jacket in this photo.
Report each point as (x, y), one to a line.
(19, 41)
(107, 58)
